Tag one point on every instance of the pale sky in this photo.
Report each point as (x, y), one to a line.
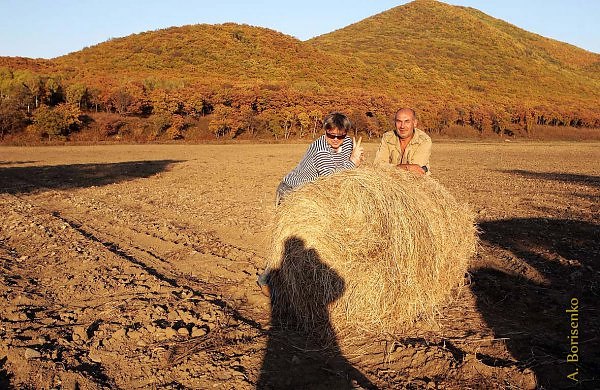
(51, 28)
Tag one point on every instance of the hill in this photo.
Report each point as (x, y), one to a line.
(24, 63)
(226, 53)
(456, 65)
(431, 50)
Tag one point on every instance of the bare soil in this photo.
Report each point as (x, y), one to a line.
(134, 266)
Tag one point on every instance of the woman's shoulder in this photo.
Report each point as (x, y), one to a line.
(318, 144)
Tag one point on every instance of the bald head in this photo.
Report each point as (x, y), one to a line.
(406, 121)
(408, 111)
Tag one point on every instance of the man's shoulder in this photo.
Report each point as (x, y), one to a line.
(389, 137)
(422, 136)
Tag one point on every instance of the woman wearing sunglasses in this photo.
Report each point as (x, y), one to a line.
(332, 152)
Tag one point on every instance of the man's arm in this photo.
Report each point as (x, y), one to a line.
(420, 159)
(412, 168)
(382, 157)
(422, 154)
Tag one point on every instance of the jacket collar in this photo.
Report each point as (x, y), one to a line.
(418, 137)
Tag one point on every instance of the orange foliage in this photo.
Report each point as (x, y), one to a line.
(456, 66)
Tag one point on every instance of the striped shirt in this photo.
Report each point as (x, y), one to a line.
(320, 160)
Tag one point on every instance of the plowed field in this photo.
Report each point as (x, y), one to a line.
(130, 267)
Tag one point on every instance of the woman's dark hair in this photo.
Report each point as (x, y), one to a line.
(336, 120)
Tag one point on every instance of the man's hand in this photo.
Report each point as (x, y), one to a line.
(411, 168)
(357, 151)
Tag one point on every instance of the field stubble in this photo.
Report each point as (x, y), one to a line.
(135, 266)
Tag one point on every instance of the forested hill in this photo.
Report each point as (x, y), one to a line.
(434, 50)
(226, 53)
(457, 66)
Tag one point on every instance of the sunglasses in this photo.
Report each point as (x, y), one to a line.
(335, 136)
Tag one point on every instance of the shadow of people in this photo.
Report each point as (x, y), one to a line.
(531, 272)
(588, 180)
(14, 180)
(5, 376)
(302, 349)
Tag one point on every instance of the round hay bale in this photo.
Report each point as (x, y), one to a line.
(369, 249)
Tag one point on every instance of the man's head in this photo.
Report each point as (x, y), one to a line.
(406, 121)
(336, 126)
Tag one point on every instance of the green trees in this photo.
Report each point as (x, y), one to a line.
(316, 117)
(34, 86)
(77, 94)
(273, 121)
(248, 121)
(12, 117)
(304, 121)
(56, 122)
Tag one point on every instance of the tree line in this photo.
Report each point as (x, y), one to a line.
(50, 106)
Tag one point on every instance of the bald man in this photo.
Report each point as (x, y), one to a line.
(406, 147)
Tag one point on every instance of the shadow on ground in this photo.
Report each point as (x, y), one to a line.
(4, 375)
(592, 181)
(14, 180)
(16, 162)
(532, 311)
(303, 352)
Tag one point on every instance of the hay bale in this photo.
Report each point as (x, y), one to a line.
(370, 250)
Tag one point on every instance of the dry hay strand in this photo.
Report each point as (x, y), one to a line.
(368, 250)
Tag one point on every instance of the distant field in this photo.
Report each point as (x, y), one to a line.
(134, 266)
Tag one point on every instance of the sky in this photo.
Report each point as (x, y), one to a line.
(51, 28)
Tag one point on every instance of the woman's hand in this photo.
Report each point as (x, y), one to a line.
(357, 151)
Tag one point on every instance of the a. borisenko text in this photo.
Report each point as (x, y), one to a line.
(573, 355)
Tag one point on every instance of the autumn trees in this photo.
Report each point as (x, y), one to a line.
(56, 122)
(25, 94)
(236, 81)
(54, 106)
(12, 118)
(255, 83)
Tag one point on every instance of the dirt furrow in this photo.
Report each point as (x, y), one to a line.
(107, 308)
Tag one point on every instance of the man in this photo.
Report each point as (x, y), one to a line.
(406, 147)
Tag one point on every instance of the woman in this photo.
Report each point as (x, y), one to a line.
(332, 152)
